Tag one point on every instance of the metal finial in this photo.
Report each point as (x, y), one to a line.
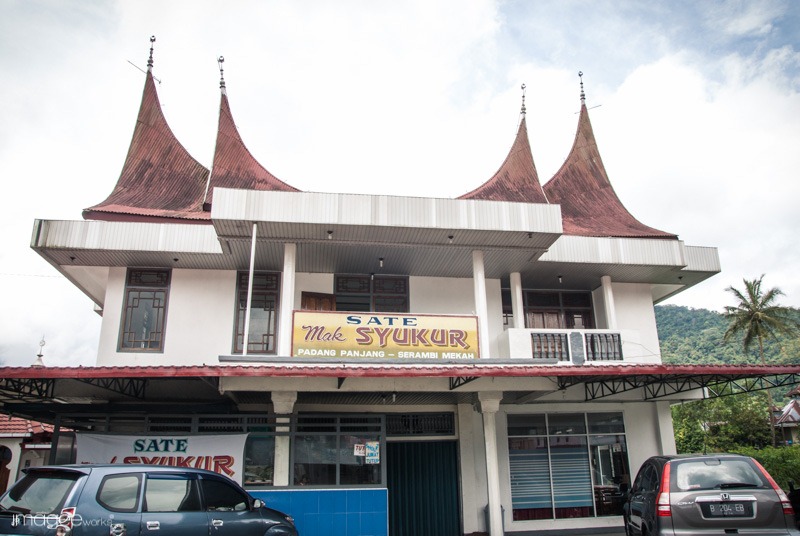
(38, 362)
(220, 61)
(522, 111)
(583, 95)
(150, 59)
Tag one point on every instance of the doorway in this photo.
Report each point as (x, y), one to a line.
(422, 478)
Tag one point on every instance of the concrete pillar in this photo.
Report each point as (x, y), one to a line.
(490, 404)
(665, 433)
(287, 300)
(481, 306)
(516, 300)
(608, 300)
(282, 404)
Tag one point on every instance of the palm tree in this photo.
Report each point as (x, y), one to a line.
(756, 317)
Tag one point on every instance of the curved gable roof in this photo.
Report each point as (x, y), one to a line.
(234, 166)
(589, 204)
(517, 179)
(159, 180)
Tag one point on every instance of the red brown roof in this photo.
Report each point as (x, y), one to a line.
(13, 426)
(234, 165)
(516, 180)
(589, 204)
(160, 180)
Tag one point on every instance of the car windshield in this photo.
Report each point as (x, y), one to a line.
(39, 493)
(715, 473)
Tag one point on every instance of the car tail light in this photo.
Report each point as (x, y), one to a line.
(663, 507)
(785, 503)
(66, 517)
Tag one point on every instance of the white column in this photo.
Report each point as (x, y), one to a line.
(249, 289)
(490, 404)
(665, 433)
(481, 307)
(608, 301)
(516, 300)
(287, 300)
(282, 404)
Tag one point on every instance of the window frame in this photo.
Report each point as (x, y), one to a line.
(564, 311)
(373, 291)
(106, 478)
(135, 284)
(546, 435)
(270, 289)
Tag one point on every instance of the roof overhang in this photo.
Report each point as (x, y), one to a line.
(42, 393)
(348, 233)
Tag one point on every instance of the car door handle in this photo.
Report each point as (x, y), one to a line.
(153, 525)
(216, 523)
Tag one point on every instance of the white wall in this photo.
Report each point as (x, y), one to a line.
(456, 296)
(636, 320)
(199, 321)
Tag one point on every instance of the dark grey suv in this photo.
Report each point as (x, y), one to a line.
(706, 494)
(133, 500)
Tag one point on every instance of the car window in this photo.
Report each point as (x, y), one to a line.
(221, 496)
(120, 493)
(716, 473)
(650, 479)
(40, 493)
(171, 493)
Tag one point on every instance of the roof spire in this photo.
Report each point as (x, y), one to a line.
(220, 61)
(522, 110)
(150, 59)
(583, 95)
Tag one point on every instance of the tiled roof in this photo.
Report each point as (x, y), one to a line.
(589, 204)
(160, 180)
(790, 413)
(517, 179)
(234, 166)
(21, 427)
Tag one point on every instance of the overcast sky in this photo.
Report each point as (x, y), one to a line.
(696, 114)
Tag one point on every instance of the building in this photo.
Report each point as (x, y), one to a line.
(23, 443)
(373, 364)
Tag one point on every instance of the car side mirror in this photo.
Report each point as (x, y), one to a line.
(624, 488)
(258, 503)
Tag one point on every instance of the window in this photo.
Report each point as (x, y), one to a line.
(372, 293)
(220, 496)
(40, 493)
(263, 312)
(338, 451)
(552, 310)
(567, 465)
(171, 493)
(145, 310)
(119, 493)
(259, 460)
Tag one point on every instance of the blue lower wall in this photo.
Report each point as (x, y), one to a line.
(324, 512)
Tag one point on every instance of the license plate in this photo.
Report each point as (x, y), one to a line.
(728, 509)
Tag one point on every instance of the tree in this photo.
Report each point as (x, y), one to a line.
(756, 318)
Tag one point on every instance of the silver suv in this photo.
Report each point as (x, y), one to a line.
(706, 494)
(129, 500)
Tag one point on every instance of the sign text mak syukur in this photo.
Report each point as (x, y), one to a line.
(384, 336)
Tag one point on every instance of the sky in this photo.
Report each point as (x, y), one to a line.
(695, 108)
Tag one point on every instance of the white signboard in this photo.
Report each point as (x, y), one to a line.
(223, 454)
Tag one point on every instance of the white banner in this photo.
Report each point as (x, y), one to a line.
(223, 454)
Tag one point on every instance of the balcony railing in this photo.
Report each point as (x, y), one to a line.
(565, 345)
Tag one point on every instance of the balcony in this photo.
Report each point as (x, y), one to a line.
(564, 346)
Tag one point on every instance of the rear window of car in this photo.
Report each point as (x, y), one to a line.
(120, 493)
(715, 473)
(40, 493)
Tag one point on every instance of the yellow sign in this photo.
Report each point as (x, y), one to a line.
(384, 336)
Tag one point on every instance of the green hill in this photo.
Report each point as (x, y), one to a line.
(694, 336)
